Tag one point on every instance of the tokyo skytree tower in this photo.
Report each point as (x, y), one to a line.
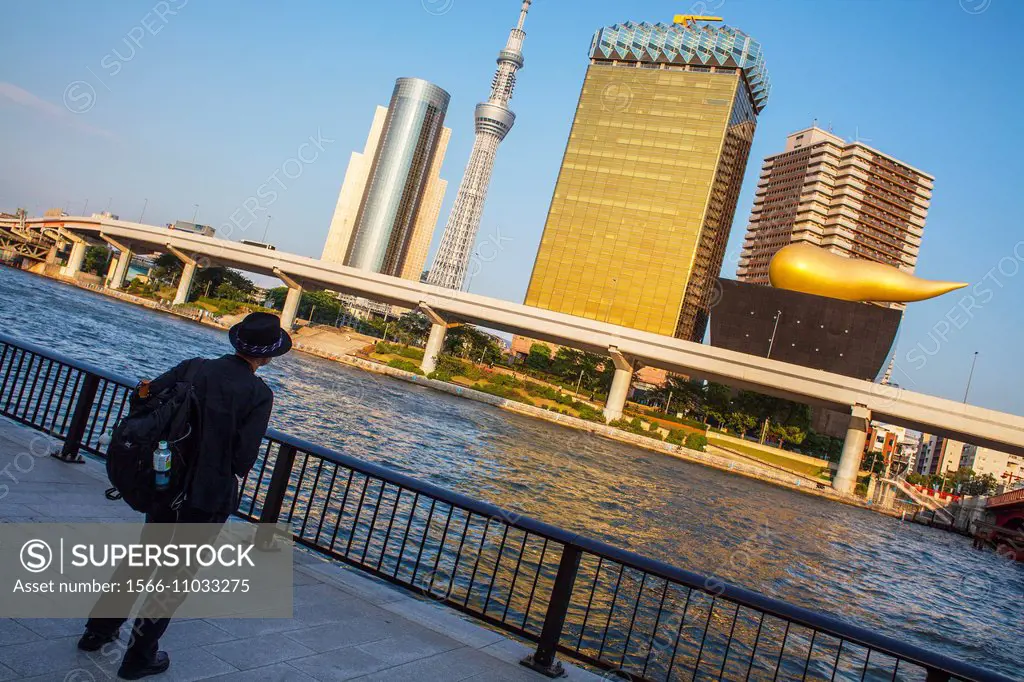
(493, 121)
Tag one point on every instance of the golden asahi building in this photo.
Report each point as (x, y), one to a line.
(645, 197)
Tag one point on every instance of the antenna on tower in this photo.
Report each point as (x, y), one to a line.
(522, 14)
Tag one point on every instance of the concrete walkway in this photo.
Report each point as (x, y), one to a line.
(347, 625)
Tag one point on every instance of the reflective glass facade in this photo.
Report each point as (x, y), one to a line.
(699, 44)
(645, 197)
(398, 177)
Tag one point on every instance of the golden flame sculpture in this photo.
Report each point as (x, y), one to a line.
(813, 270)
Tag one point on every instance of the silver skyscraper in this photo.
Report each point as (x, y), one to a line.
(493, 121)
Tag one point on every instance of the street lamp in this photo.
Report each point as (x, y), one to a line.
(266, 228)
(970, 376)
(195, 212)
(778, 316)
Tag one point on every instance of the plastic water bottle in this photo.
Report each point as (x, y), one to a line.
(162, 465)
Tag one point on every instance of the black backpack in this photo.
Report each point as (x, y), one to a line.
(172, 415)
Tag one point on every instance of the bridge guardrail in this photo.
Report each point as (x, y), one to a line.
(1009, 497)
(640, 618)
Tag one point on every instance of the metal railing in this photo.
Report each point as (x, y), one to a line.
(639, 618)
(1009, 497)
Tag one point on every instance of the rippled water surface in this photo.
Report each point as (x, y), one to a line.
(907, 581)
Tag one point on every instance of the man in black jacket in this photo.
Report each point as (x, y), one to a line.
(234, 410)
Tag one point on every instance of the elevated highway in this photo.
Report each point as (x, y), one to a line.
(627, 348)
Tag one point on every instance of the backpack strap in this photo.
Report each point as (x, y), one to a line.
(196, 430)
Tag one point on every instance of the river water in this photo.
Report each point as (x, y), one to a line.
(907, 581)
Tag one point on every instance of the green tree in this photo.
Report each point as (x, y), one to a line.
(981, 485)
(740, 422)
(962, 475)
(820, 445)
(466, 341)
(319, 307)
(166, 269)
(412, 328)
(592, 372)
(567, 363)
(208, 279)
(687, 395)
(140, 288)
(230, 292)
(539, 357)
(276, 296)
(788, 434)
(874, 462)
(97, 260)
(696, 441)
(717, 402)
(604, 369)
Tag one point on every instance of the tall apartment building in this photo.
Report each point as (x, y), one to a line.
(939, 455)
(647, 190)
(885, 441)
(391, 197)
(909, 448)
(846, 197)
(1006, 468)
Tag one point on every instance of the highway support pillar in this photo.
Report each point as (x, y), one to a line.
(119, 271)
(435, 342)
(620, 385)
(291, 300)
(75, 259)
(188, 271)
(853, 450)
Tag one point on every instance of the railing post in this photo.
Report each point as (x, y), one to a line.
(543, 660)
(79, 421)
(937, 676)
(275, 495)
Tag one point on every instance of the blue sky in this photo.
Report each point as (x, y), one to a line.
(204, 105)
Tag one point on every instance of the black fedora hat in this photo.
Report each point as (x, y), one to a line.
(260, 335)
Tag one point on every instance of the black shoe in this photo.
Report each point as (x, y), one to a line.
(136, 670)
(92, 641)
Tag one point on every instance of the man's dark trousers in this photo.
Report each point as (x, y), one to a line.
(146, 632)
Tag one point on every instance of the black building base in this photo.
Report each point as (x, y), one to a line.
(852, 339)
